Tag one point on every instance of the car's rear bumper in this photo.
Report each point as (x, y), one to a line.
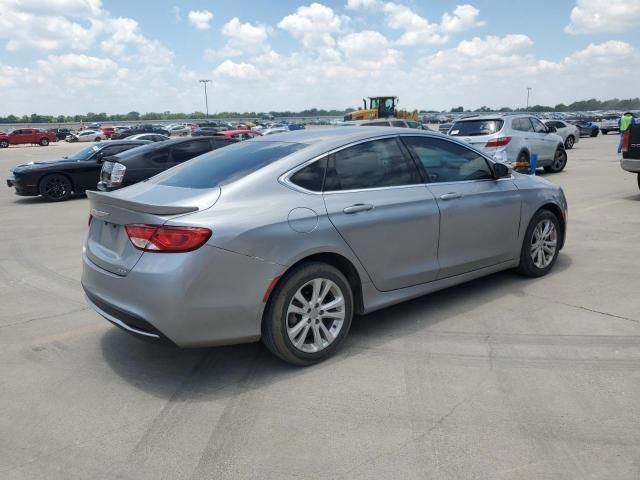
(206, 297)
(21, 188)
(631, 164)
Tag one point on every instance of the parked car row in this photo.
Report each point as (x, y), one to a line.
(107, 165)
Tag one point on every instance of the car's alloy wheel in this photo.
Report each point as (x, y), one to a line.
(44, 142)
(544, 243)
(309, 314)
(559, 161)
(4, 144)
(315, 315)
(55, 188)
(569, 142)
(541, 244)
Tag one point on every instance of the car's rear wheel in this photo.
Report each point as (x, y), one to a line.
(559, 162)
(4, 144)
(44, 142)
(97, 139)
(541, 245)
(309, 314)
(55, 187)
(594, 133)
(569, 142)
(604, 132)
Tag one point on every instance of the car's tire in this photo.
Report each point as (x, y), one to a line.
(295, 327)
(97, 139)
(594, 133)
(55, 187)
(43, 142)
(604, 132)
(638, 180)
(559, 162)
(569, 142)
(541, 244)
(4, 144)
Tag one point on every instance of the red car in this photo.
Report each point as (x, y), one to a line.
(108, 131)
(243, 134)
(21, 136)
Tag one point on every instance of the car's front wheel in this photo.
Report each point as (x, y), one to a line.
(44, 142)
(55, 188)
(309, 314)
(4, 144)
(541, 245)
(569, 142)
(97, 139)
(559, 162)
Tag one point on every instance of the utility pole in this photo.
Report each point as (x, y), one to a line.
(528, 92)
(206, 101)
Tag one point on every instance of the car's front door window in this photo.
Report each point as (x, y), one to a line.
(374, 164)
(446, 161)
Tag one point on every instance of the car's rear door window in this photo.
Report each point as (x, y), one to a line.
(474, 128)
(373, 164)
(446, 161)
(311, 177)
(398, 123)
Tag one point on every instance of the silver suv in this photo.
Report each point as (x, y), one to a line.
(511, 139)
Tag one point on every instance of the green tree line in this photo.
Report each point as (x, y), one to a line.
(580, 106)
(133, 116)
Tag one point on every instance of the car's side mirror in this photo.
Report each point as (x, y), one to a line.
(500, 170)
(99, 157)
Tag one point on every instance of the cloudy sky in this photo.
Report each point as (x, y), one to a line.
(75, 56)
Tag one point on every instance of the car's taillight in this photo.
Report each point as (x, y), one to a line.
(498, 142)
(626, 141)
(117, 174)
(159, 238)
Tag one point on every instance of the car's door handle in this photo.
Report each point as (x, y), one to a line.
(358, 207)
(450, 196)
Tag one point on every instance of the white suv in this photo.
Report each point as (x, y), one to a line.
(512, 139)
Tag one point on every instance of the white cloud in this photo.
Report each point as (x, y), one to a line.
(242, 38)
(369, 49)
(493, 45)
(597, 16)
(240, 70)
(465, 17)
(418, 30)
(54, 7)
(313, 25)
(200, 19)
(363, 4)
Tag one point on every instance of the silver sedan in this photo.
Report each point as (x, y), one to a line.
(284, 238)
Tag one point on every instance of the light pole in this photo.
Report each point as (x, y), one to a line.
(528, 92)
(206, 101)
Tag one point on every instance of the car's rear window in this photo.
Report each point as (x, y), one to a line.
(226, 164)
(470, 128)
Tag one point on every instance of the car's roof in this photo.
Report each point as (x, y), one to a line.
(333, 137)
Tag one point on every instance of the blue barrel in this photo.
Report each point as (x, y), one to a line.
(533, 163)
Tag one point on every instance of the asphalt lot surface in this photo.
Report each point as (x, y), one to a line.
(504, 377)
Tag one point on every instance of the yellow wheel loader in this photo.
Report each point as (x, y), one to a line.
(381, 107)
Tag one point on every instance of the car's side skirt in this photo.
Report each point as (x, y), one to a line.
(374, 299)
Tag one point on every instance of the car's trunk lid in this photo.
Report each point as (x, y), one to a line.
(108, 245)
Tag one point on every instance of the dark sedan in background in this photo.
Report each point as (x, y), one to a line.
(137, 130)
(587, 129)
(142, 163)
(57, 180)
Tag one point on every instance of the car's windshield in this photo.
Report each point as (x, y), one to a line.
(86, 153)
(470, 128)
(226, 164)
